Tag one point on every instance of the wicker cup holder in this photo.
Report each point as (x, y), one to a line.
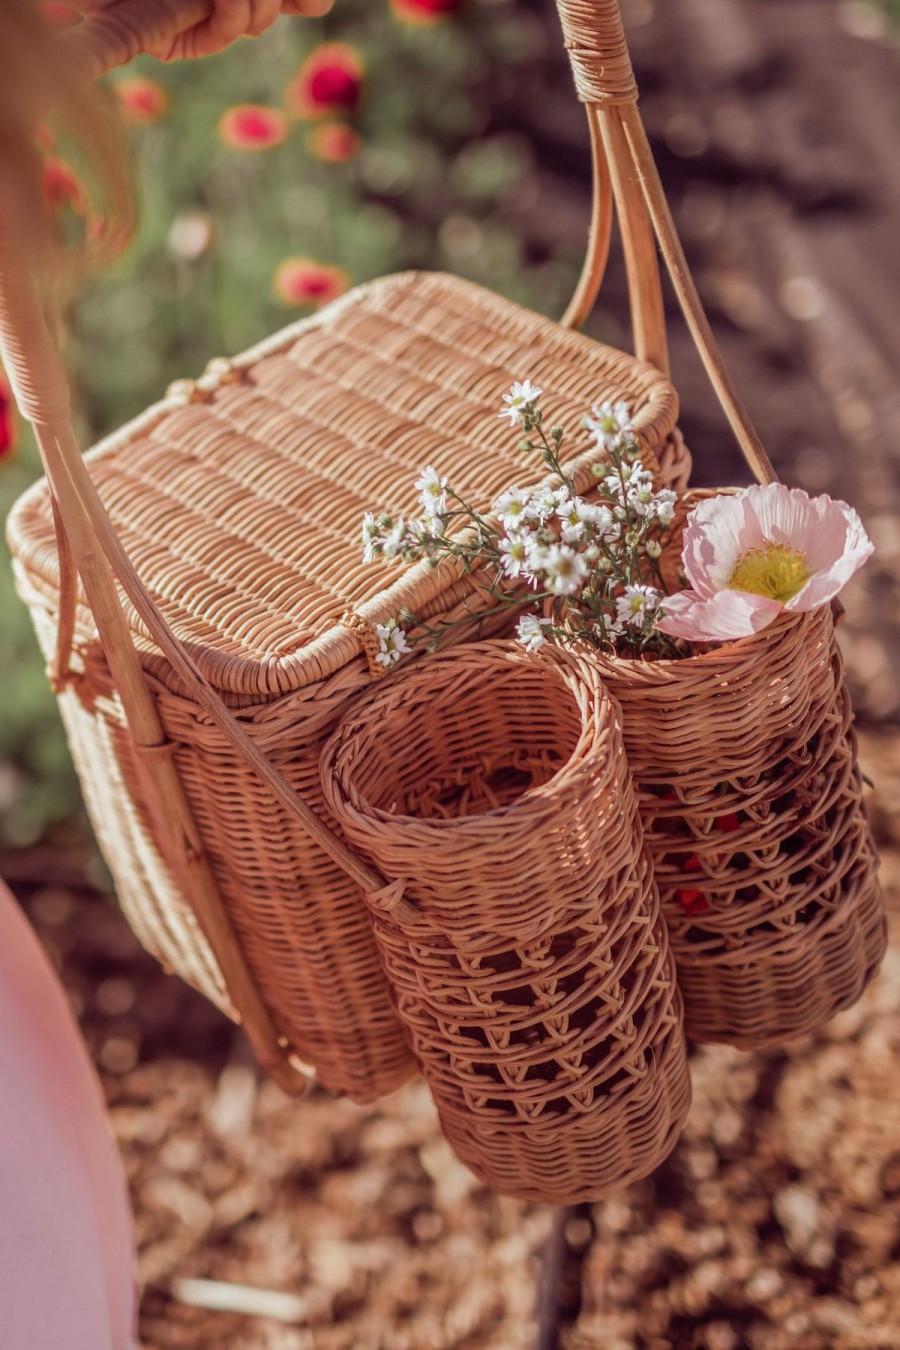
(529, 964)
(751, 799)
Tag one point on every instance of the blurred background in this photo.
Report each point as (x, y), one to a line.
(443, 134)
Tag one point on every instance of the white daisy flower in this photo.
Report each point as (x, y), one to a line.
(530, 632)
(565, 569)
(549, 501)
(512, 508)
(608, 423)
(371, 537)
(392, 643)
(642, 499)
(635, 604)
(664, 506)
(538, 554)
(516, 550)
(393, 543)
(523, 395)
(575, 515)
(653, 548)
(602, 521)
(432, 491)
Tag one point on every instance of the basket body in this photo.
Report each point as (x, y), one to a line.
(533, 974)
(239, 502)
(751, 800)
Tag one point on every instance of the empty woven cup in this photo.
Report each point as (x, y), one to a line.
(521, 934)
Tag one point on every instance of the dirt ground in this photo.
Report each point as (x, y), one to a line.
(775, 1225)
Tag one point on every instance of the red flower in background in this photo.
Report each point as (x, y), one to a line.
(143, 101)
(333, 142)
(301, 281)
(329, 81)
(9, 422)
(426, 11)
(62, 187)
(251, 126)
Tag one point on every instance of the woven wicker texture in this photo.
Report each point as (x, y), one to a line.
(534, 975)
(751, 800)
(241, 511)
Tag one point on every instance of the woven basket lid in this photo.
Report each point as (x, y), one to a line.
(239, 499)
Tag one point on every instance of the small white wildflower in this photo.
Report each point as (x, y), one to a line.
(548, 501)
(636, 604)
(538, 555)
(664, 506)
(654, 548)
(521, 397)
(371, 538)
(394, 542)
(608, 423)
(392, 643)
(575, 515)
(516, 551)
(642, 499)
(530, 632)
(565, 569)
(432, 491)
(512, 508)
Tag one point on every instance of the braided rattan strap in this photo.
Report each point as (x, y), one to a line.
(595, 41)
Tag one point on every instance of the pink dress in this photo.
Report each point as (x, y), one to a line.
(66, 1246)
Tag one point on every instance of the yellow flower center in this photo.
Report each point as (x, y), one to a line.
(776, 571)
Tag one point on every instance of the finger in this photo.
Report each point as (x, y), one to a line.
(306, 9)
(227, 22)
(265, 12)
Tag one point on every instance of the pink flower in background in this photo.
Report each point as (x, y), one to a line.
(301, 281)
(333, 142)
(251, 126)
(329, 82)
(9, 425)
(143, 101)
(426, 11)
(750, 556)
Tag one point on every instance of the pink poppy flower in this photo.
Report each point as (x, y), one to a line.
(9, 424)
(426, 12)
(300, 281)
(748, 557)
(329, 81)
(333, 142)
(250, 126)
(143, 101)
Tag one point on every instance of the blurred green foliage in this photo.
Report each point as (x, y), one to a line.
(437, 183)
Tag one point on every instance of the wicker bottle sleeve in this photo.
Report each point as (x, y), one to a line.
(750, 795)
(530, 965)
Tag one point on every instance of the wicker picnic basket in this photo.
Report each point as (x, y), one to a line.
(197, 709)
(745, 764)
(204, 636)
(522, 934)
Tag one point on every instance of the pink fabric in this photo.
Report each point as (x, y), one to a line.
(66, 1246)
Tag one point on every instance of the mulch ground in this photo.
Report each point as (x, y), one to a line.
(775, 1225)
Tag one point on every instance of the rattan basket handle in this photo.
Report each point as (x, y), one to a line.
(605, 83)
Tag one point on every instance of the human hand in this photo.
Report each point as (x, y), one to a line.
(228, 20)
